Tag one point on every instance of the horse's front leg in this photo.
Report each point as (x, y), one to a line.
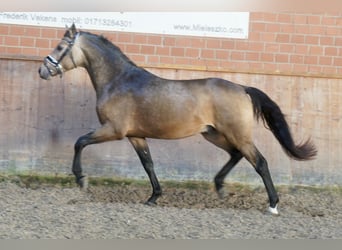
(76, 165)
(105, 133)
(143, 152)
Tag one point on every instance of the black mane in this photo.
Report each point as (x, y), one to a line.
(108, 44)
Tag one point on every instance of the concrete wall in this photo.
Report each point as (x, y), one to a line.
(295, 58)
(40, 121)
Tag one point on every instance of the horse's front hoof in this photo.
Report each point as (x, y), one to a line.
(220, 193)
(83, 183)
(151, 203)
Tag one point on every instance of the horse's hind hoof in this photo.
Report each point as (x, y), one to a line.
(83, 183)
(273, 211)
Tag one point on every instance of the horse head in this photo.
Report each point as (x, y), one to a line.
(64, 57)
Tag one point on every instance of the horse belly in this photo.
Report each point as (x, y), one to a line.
(168, 130)
(173, 123)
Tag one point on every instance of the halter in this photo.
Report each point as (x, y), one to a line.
(56, 63)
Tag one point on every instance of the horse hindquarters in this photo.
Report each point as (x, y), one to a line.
(234, 122)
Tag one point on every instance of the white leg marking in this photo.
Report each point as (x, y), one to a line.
(273, 210)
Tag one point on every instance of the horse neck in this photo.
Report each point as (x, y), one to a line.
(104, 64)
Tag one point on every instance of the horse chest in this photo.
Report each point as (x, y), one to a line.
(113, 108)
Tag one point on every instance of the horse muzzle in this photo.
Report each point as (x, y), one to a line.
(44, 72)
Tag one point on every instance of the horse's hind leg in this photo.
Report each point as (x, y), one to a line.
(220, 141)
(235, 157)
(143, 152)
(253, 155)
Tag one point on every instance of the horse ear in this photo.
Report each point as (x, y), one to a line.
(73, 29)
(71, 32)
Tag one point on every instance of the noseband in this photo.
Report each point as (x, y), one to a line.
(56, 63)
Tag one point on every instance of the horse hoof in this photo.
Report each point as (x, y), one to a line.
(220, 193)
(273, 211)
(83, 183)
(151, 203)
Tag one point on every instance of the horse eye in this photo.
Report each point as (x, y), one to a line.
(59, 47)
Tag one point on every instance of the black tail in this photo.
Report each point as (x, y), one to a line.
(270, 113)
